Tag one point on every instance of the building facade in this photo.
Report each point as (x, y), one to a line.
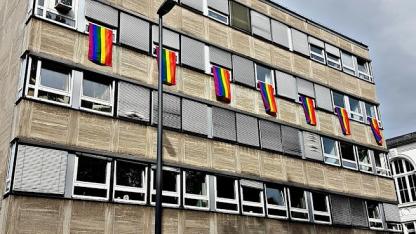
(402, 156)
(78, 140)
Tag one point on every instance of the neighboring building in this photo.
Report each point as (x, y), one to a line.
(78, 140)
(402, 156)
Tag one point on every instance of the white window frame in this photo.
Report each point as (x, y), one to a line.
(45, 8)
(375, 220)
(382, 171)
(299, 210)
(234, 201)
(358, 116)
(258, 186)
(272, 77)
(348, 160)
(329, 60)
(337, 157)
(37, 86)
(166, 193)
(365, 75)
(130, 189)
(406, 174)
(195, 196)
(312, 54)
(362, 164)
(322, 213)
(345, 100)
(398, 227)
(409, 230)
(347, 69)
(276, 207)
(106, 186)
(95, 100)
(375, 109)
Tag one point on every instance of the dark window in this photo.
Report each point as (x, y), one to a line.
(339, 100)
(196, 183)
(129, 174)
(225, 187)
(319, 202)
(297, 198)
(91, 170)
(240, 16)
(251, 194)
(347, 151)
(275, 195)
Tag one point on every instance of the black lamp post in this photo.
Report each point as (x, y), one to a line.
(163, 10)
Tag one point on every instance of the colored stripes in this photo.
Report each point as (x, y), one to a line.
(344, 120)
(309, 110)
(168, 66)
(375, 128)
(269, 101)
(222, 83)
(100, 45)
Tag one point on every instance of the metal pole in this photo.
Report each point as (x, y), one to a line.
(159, 181)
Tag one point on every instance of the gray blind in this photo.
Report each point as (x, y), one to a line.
(270, 135)
(316, 42)
(340, 210)
(332, 50)
(323, 97)
(247, 130)
(291, 140)
(306, 88)
(286, 85)
(133, 101)
(192, 53)
(243, 71)
(358, 213)
(260, 25)
(194, 117)
(134, 32)
(223, 124)
(220, 57)
(300, 42)
(280, 33)
(40, 170)
(219, 5)
(101, 13)
(196, 4)
(313, 148)
(170, 38)
(171, 110)
(391, 212)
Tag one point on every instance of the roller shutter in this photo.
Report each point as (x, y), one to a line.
(300, 42)
(323, 97)
(101, 13)
(286, 85)
(170, 38)
(316, 42)
(313, 147)
(220, 57)
(171, 110)
(247, 130)
(291, 140)
(270, 135)
(219, 5)
(223, 124)
(306, 88)
(332, 50)
(192, 53)
(134, 32)
(391, 212)
(194, 117)
(133, 101)
(280, 33)
(260, 25)
(243, 71)
(195, 4)
(340, 210)
(40, 170)
(358, 213)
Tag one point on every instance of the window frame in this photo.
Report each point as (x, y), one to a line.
(234, 201)
(386, 168)
(375, 220)
(299, 210)
(336, 146)
(347, 69)
(358, 116)
(45, 8)
(210, 10)
(195, 196)
(399, 227)
(337, 64)
(344, 99)
(313, 53)
(276, 207)
(97, 101)
(367, 74)
(404, 177)
(362, 165)
(259, 186)
(249, 30)
(176, 194)
(348, 160)
(272, 77)
(10, 168)
(321, 213)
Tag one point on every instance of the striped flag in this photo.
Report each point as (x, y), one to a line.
(269, 101)
(168, 66)
(375, 128)
(309, 110)
(344, 120)
(222, 83)
(100, 45)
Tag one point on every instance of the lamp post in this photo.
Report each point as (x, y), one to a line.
(163, 10)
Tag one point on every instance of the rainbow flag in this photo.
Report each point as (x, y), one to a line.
(375, 127)
(344, 120)
(309, 110)
(100, 45)
(168, 66)
(222, 83)
(269, 101)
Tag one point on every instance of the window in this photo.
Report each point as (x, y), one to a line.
(364, 159)
(213, 14)
(92, 178)
(382, 164)
(320, 208)
(348, 63)
(114, 30)
(333, 61)
(339, 99)
(50, 82)
(347, 155)
(364, 69)
(240, 16)
(170, 190)
(264, 75)
(410, 228)
(252, 199)
(371, 111)
(276, 201)
(65, 15)
(130, 182)
(97, 94)
(317, 53)
(298, 204)
(226, 195)
(156, 45)
(356, 111)
(374, 216)
(405, 180)
(395, 227)
(196, 192)
(331, 151)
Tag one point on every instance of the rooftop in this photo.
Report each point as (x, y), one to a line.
(401, 140)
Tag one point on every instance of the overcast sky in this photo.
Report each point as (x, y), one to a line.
(388, 27)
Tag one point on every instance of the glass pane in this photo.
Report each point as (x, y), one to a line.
(130, 174)
(129, 196)
(317, 50)
(370, 110)
(92, 170)
(96, 106)
(332, 57)
(96, 90)
(347, 59)
(409, 166)
(92, 192)
(251, 194)
(264, 74)
(253, 209)
(339, 100)
(329, 146)
(347, 151)
(363, 155)
(240, 17)
(373, 211)
(196, 183)
(275, 195)
(33, 69)
(319, 202)
(355, 105)
(60, 19)
(41, 3)
(226, 206)
(196, 202)
(362, 66)
(225, 187)
(217, 16)
(53, 97)
(169, 180)
(55, 77)
(297, 198)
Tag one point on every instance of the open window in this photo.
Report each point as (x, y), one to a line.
(226, 194)
(92, 178)
(320, 208)
(317, 53)
(382, 163)
(264, 75)
(298, 204)
(276, 201)
(240, 16)
(364, 159)
(63, 12)
(364, 71)
(374, 215)
(130, 180)
(339, 99)
(97, 94)
(333, 56)
(331, 151)
(355, 109)
(371, 111)
(252, 199)
(49, 82)
(348, 63)
(195, 190)
(171, 185)
(348, 155)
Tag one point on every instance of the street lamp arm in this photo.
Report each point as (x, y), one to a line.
(166, 7)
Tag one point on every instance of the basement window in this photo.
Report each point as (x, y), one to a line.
(374, 215)
(196, 190)
(298, 205)
(171, 185)
(276, 201)
(226, 195)
(97, 94)
(320, 208)
(348, 155)
(130, 182)
(252, 199)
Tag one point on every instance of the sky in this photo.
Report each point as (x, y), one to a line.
(388, 28)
